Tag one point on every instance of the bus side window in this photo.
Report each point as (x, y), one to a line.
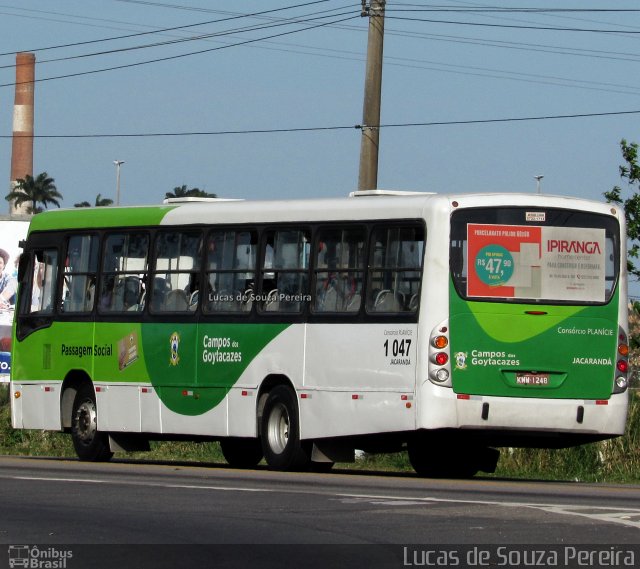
(81, 265)
(42, 282)
(124, 270)
(339, 270)
(395, 269)
(177, 260)
(230, 271)
(285, 284)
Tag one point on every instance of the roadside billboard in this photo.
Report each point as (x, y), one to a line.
(12, 231)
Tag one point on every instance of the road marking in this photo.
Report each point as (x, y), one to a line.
(46, 478)
(624, 516)
(132, 483)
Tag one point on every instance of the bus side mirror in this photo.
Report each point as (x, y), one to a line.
(22, 267)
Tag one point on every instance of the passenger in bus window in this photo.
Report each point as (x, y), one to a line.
(106, 297)
(36, 289)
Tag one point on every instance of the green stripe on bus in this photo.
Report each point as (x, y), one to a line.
(193, 369)
(85, 217)
(574, 347)
(497, 320)
(191, 366)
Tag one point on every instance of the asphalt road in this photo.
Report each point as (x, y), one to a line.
(174, 508)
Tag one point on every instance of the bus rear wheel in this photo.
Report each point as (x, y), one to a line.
(241, 452)
(280, 430)
(89, 443)
(433, 457)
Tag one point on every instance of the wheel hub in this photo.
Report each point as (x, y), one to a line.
(278, 429)
(86, 421)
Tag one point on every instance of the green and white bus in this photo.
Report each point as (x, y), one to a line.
(298, 331)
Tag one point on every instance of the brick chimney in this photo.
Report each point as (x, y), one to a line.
(22, 144)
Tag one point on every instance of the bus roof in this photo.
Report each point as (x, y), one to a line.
(359, 205)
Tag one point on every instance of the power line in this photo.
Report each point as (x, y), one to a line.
(402, 62)
(493, 9)
(541, 48)
(414, 63)
(162, 30)
(512, 26)
(168, 58)
(235, 15)
(467, 3)
(249, 28)
(326, 128)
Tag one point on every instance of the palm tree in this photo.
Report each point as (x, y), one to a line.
(100, 202)
(184, 192)
(39, 190)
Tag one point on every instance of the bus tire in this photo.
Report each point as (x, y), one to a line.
(89, 443)
(322, 467)
(434, 459)
(280, 430)
(241, 452)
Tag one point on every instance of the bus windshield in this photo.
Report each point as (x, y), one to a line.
(557, 256)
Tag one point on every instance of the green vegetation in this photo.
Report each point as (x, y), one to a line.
(100, 202)
(631, 173)
(34, 191)
(184, 192)
(617, 460)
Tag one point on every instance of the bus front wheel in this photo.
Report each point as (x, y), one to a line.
(88, 442)
(280, 430)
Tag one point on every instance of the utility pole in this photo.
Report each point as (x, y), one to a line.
(118, 163)
(368, 178)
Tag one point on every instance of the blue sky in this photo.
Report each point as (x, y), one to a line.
(485, 65)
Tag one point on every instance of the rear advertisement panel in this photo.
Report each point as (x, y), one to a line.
(558, 263)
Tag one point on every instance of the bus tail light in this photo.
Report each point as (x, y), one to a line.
(621, 380)
(441, 375)
(440, 342)
(621, 383)
(439, 360)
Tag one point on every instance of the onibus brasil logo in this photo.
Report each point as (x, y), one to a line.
(34, 557)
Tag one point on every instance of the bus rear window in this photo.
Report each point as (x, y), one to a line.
(527, 255)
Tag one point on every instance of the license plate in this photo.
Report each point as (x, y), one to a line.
(532, 379)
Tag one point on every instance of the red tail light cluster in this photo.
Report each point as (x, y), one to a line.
(621, 381)
(439, 356)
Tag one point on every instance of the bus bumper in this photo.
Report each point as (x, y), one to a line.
(444, 409)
